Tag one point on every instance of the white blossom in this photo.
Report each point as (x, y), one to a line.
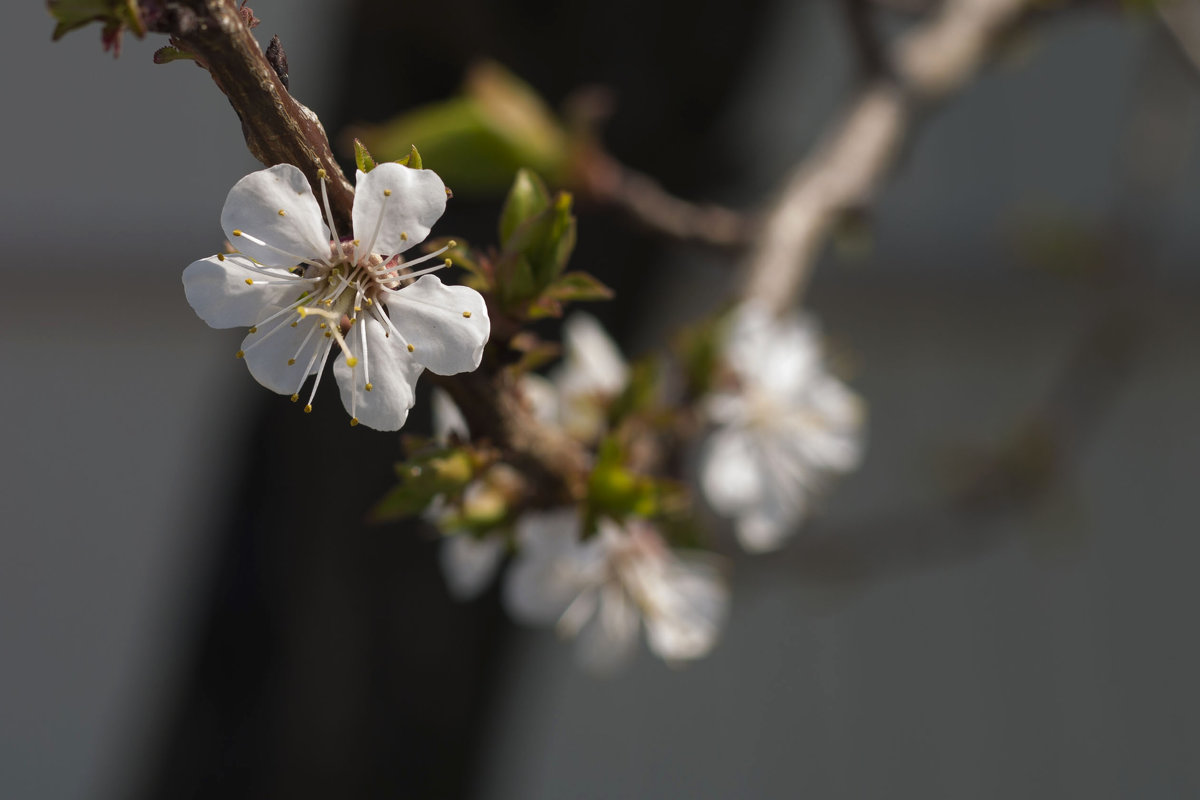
(783, 430)
(469, 562)
(301, 290)
(592, 373)
(602, 590)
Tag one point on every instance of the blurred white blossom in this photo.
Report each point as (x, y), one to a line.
(784, 427)
(301, 290)
(592, 373)
(468, 562)
(600, 591)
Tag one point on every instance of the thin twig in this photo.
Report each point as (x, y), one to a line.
(607, 181)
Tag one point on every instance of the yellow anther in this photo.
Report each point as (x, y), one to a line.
(351, 361)
(452, 244)
(294, 324)
(387, 192)
(411, 348)
(353, 421)
(403, 236)
(291, 361)
(369, 386)
(249, 281)
(302, 311)
(220, 257)
(322, 174)
(328, 334)
(370, 302)
(308, 409)
(467, 314)
(357, 309)
(241, 354)
(448, 262)
(282, 213)
(355, 242)
(253, 329)
(236, 232)
(294, 398)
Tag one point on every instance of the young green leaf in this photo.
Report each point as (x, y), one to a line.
(362, 157)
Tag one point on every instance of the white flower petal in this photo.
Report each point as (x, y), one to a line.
(544, 579)
(268, 352)
(542, 397)
(608, 641)
(447, 419)
(253, 207)
(392, 371)
(394, 208)
(692, 603)
(447, 326)
(593, 364)
(469, 563)
(763, 531)
(731, 472)
(217, 290)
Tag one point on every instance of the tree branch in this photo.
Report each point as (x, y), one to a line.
(853, 158)
(277, 129)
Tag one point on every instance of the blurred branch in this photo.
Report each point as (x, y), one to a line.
(607, 181)
(845, 170)
(1182, 21)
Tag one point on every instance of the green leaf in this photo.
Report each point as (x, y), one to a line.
(115, 14)
(167, 54)
(535, 352)
(412, 160)
(480, 139)
(527, 198)
(698, 349)
(422, 478)
(362, 157)
(573, 287)
(640, 391)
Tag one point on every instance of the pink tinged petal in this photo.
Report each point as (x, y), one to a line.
(470, 563)
(253, 208)
(395, 207)
(393, 378)
(217, 290)
(447, 326)
(268, 351)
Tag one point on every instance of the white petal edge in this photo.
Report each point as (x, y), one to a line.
(395, 207)
(217, 291)
(447, 326)
(544, 580)
(469, 563)
(448, 420)
(268, 352)
(253, 207)
(393, 374)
